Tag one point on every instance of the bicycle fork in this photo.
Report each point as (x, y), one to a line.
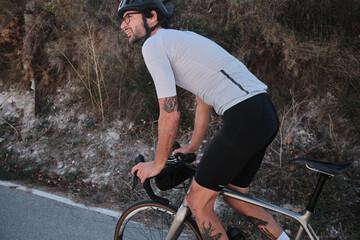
(178, 224)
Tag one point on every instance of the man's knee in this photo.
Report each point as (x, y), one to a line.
(198, 201)
(200, 198)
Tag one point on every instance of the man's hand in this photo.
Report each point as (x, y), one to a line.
(202, 116)
(146, 170)
(185, 149)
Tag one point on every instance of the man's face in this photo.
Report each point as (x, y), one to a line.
(133, 26)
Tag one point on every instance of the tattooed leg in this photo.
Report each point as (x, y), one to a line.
(258, 215)
(262, 226)
(201, 202)
(208, 232)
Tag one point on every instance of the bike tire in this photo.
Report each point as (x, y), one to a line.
(151, 220)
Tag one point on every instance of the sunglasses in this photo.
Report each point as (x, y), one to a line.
(127, 16)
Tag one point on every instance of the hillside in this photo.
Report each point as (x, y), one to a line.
(77, 103)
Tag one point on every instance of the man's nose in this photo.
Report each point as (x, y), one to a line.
(123, 25)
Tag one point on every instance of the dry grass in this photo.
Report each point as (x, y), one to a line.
(305, 51)
(11, 39)
(288, 45)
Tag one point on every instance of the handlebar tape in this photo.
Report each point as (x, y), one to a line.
(139, 158)
(152, 195)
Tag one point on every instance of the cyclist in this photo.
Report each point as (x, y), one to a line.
(219, 81)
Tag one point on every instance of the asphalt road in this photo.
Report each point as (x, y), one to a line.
(28, 214)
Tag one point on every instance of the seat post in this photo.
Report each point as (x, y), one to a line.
(315, 196)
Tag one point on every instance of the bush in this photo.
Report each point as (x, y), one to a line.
(11, 41)
(301, 49)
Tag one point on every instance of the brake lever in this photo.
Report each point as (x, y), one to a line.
(139, 158)
(135, 181)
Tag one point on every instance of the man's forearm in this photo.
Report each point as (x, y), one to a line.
(168, 126)
(167, 132)
(202, 116)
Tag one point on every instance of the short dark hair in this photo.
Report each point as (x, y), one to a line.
(165, 22)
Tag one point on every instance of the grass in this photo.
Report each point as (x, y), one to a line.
(305, 51)
(13, 169)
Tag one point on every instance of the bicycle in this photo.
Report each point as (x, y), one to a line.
(158, 219)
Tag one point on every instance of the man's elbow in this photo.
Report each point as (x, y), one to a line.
(175, 117)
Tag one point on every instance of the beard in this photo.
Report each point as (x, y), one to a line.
(138, 35)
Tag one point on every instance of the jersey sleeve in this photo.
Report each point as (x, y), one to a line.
(159, 66)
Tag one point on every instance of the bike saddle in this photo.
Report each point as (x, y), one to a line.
(329, 168)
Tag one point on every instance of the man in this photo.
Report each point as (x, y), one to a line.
(219, 81)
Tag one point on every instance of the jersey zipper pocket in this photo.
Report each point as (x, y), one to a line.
(233, 81)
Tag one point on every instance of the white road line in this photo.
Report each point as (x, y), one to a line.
(60, 199)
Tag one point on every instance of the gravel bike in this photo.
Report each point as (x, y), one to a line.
(158, 219)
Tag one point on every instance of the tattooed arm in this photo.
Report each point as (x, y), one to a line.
(167, 130)
(167, 127)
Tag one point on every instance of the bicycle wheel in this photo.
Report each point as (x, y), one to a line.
(151, 220)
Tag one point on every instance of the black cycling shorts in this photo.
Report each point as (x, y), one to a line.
(236, 152)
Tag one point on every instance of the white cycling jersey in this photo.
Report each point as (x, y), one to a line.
(199, 65)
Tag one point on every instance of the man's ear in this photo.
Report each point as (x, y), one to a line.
(153, 20)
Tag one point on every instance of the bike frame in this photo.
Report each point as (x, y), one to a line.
(303, 219)
(178, 223)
